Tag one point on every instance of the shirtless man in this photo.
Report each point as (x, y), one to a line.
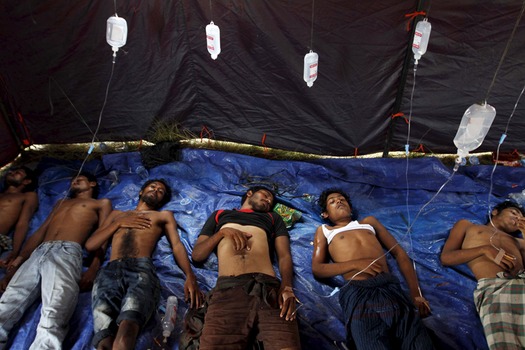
(53, 265)
(129, 279)
(496, 256)
(248, 295)
(17, 206)
(378, 314)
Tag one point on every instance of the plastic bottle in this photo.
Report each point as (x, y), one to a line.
(142, 172)
(421, 37)
(113, 176)
(518, 197)
(473, 128)
(213, 40)
(311, 65)
(168, 322)
(116, 32)
(473, 160)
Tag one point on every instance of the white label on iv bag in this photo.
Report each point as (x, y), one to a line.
(417, 40)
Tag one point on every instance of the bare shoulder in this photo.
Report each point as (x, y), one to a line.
(31, 196)
(166, 213)
(104, 202)
(319, 234)
(467, 226)
(165, 216)
(371, 220)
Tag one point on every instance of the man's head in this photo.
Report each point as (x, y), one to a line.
(155, 193)
(21, 176)
(259, 198)
(506, 214)
(84, 181)
(335, 204)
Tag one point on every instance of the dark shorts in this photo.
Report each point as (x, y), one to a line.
(380, 315)
(125, 289)
(245, 309)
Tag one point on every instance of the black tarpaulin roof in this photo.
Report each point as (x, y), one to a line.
(55, 66)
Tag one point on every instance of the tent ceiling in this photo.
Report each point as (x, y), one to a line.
(55, 66)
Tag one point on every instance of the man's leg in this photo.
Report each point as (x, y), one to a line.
(500, 304)
(275, 332)
(21, 292)
(62, 267)
(229, 320)
(126, 336)
(106, 343)
(107, 292)
(139, 302)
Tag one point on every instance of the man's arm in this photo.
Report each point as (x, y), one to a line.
(36, 238)
(113, 223)
(22, 225)
(403, 261)
(88, 277)
(191, 288)
(453, 254)
(323, 268)
(287, 296)
(207, 242)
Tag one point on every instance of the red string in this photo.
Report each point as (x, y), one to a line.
(420, 148)
(207, 132)
(400, 114)
(412, 16)
(25, 140)
(263, 140)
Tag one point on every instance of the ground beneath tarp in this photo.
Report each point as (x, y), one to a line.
(393, 190)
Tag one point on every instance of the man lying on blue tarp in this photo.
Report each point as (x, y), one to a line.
(496, 256)
(18, 203)
(127, 289)
(53, 265)
(378, 314)
(249, 304)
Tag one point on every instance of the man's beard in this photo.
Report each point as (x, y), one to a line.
(13, 182)
(259, 206)
(151, 201)
(73, 192)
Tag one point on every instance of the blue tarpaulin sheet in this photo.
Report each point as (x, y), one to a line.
(418, 200)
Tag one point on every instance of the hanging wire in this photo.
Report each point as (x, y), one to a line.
(503, 136)
(70, 102)
(505, 51)
(92, 140)
(211, 14)
(312, 27)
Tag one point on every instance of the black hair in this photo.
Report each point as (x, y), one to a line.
(504, 205)
(91, 178)
(507, 204)
(259, 188)
(167, 193)
(324, 197)
(30, 175)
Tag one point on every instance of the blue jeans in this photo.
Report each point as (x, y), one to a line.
(125, 289)
(52, 272)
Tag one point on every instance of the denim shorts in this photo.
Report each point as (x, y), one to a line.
(125, 289)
